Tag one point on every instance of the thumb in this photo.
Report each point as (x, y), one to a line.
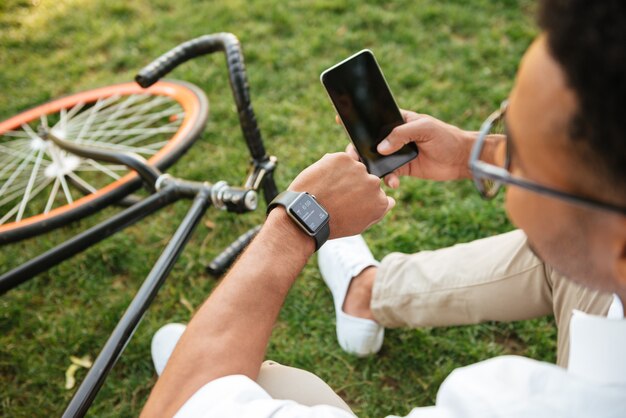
(395, 140)
(417, 131)
(392, 180)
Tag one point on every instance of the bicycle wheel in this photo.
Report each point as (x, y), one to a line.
(43, 187)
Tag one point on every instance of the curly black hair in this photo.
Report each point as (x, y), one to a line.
(588, 39)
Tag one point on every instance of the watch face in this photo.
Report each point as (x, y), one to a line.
(308, 212)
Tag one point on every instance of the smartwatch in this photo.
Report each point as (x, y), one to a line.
(309, 215)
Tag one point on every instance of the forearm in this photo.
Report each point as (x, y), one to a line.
(230, 332)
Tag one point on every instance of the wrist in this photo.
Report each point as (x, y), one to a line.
(288, 234)
(306, 213)
(467, 140)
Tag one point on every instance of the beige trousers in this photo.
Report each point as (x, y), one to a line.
(492, 279)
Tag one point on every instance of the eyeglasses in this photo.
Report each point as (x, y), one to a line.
(491, 158)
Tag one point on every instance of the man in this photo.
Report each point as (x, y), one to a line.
(565, 137)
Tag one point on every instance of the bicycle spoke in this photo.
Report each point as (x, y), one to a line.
(9, 152)
(135, 109)
(62, 120)
(9, 214)
(18, 154)
(16, 134)
(16, 173)
(19, 142)
(29, 187)
(44, 121)
(26, 127)
(139, 138)
(35, 192)
(118, 147)
(108, 170)
(104, 103)
(14, 182)
(157, 145)
(66, 190)
(101, 167)
(74, 110)
(103, 114)
(8, 157)
(130, 132)
(141, 130)
(147, 120)
(76, 122)
(14, 194)
(17, 189)
(82, 182)
(38, 141)
(113, 117)
(104, 125)
(92, 114)
(8, 168)
(53, 195)
(17, 192)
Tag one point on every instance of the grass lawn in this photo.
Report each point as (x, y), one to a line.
(453, 59)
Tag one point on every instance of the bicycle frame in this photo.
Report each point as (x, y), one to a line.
(166, 190)
(125, 328)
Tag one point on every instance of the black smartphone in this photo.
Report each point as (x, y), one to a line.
(362, 98)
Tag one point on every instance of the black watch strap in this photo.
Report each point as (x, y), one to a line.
(286, 199)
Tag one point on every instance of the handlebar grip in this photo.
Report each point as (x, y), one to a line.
(158, 68)
(208, 44)
(220, 264)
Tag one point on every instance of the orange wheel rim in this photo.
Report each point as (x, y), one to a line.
(185, 97)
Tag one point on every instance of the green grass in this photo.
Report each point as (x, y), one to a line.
(455, 60)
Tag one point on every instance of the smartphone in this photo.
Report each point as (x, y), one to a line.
(362, 98)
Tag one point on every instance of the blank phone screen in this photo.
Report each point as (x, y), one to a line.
(367, 109)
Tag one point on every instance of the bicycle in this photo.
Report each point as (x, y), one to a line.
(96, 143)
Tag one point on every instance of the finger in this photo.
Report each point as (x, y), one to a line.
(351, 151)
(392, 180)
(338, 120)
(417, 131)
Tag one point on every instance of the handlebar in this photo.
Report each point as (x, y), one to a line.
(209, 44)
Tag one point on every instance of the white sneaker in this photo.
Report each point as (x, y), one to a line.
(339, 261)
(163, 343)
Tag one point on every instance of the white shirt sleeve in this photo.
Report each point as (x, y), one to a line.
(516, 387)
(239, 397)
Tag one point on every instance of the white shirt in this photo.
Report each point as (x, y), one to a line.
(594, 385)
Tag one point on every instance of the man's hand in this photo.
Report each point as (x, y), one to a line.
(443, 149)
(352, 197)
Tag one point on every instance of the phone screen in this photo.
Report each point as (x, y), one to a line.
(367, 109)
